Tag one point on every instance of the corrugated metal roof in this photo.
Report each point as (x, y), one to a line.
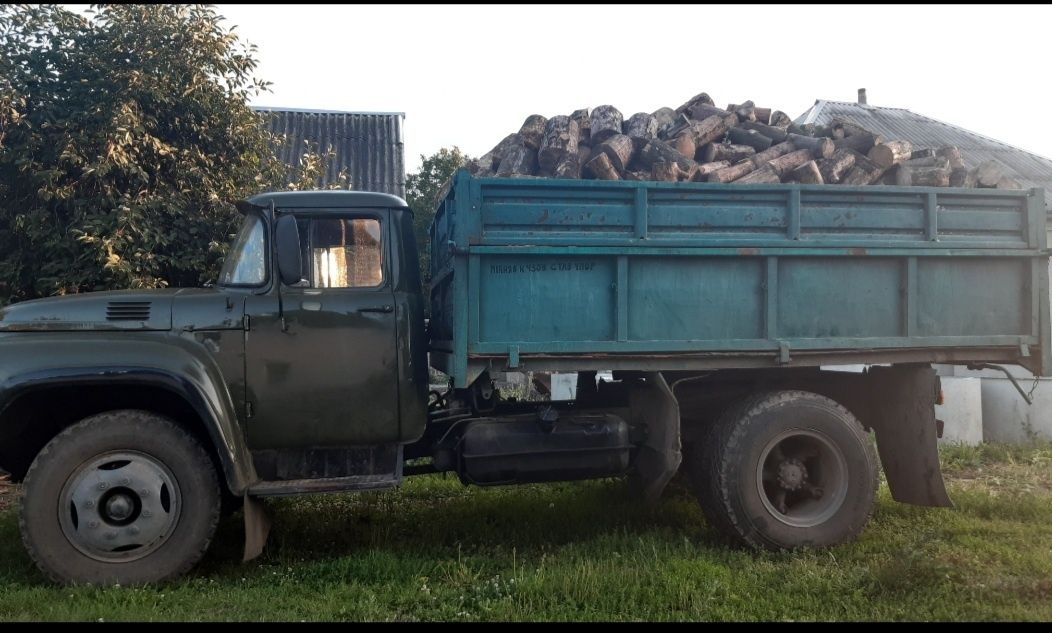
(367, 144)
(1029, 169)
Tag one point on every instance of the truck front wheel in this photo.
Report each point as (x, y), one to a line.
(124, 497)
(785, 469)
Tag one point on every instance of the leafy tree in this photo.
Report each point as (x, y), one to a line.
(423, 191)
(125, 138)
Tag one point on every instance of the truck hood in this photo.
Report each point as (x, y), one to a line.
(114, 310)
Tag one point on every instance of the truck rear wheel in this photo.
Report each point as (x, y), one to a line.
(124, 497)
(785, 469)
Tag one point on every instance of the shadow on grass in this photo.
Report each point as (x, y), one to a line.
(435, 516)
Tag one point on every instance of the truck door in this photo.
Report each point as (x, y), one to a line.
(321, 369)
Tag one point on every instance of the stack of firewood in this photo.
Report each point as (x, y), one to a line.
(741, 144)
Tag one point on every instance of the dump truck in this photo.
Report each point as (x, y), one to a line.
(717, 313)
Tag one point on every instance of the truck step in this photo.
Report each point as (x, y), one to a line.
(334, 484)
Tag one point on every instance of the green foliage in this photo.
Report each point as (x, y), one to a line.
(423, 191)
(125, 138)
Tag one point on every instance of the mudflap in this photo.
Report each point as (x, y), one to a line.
(257, 527)
(660, 454)
(902, 413)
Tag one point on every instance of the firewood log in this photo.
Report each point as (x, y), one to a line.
(821, 147)
(532, 131)
(788, 162)
(764, 175)
(988, 173)
(807, 174)
(864, 172)
(891, 153)
(732, 173)
(953, 155)
(724, 151)
(641, 127)
(698, 99)
(752, 138)
(834, 168)
(777, 135)
(780, 119)
(606, 121)
(583, 119)
(760, 159)
(656, 150)
(702, 170)
(600, 168)
(560, 138)
(518, 161)
(619, 149)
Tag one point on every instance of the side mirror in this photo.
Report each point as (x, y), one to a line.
(287, 239)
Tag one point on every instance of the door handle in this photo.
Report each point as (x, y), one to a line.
(384, 308)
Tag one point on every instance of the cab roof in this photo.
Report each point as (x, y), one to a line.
(326, 200)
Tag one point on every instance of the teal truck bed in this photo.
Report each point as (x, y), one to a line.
(542, 274)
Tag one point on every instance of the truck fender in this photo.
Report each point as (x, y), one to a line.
(902, 413)
(175, 364)
(660, 454)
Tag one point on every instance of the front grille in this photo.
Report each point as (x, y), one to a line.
(128, 311)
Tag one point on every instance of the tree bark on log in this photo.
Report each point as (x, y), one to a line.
(951, 154)
(962, 177)
(725, 151)
(891, 153)
(569, 168)
(637, 175)
(988, 173)
(777, 135)
(929, 161)
(619, 148)
(850, 129)
(519, 160)
(560, 138)
(532, 131)
(821, 147)
(861, 143)
(707, 130)
(922, 153)
(606, 121)
(1007, 183)
(701, 112)
(780, 119)
(763, 115)
(807, 174)
(641, 127)
(788, 162)
(762, 175)
(732, 173)
(665, 171)
(864, 172)
(907, 176)
(760, 159)
(601, 168)
(698, 99)
(584, 154)
(745, 111)
(664, 117)
(754, 139)
(835, 167)
(583, 119)
(656, 150)
(702, 171)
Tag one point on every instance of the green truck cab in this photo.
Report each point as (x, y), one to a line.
(134, 416)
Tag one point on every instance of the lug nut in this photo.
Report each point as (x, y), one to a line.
(93, 524)
(89, 504)
(144, 492)
(133, 530)
(111, 535)
(125, 481)
(147, 514)
(102, 485)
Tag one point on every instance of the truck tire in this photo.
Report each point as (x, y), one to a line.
(785, 469)
(125, 497)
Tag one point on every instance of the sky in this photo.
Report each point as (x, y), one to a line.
(469, 75)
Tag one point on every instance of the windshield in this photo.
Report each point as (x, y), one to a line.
(246, 263)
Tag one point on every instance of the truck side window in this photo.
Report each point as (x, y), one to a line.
(345, 253)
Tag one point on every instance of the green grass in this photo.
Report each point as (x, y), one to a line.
(585, 551)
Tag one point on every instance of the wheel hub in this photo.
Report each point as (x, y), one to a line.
(792, 474)
(119, 506)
